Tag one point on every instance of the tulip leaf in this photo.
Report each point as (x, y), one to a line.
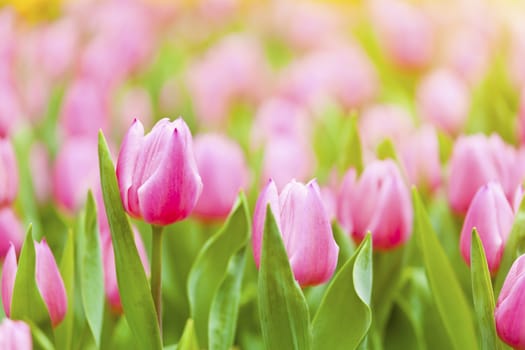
(513, 249)
(345, 244)
(132, 282)
(345, 308)
(225, 305)
(446, 290)
(27, 302)
(386, 149)
(353, 157)
(483, 294)
(40, 338)
(188, 341)
(92, 281)
(282, 306)
(211, 265)
(64, 331)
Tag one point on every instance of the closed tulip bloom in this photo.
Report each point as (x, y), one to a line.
(157, 174)
(11, 231)
(224, 172)
(305, 230)
(510, 307)
(48, 280)
(15, 335)
(382, 206)
(8, 173)
(491, 214)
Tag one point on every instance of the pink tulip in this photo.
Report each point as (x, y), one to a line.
(85, 109)
(48, 279)
(305, 230)
(157, 173)
(345, 200)
(443, 100)
(110, 272)
(381, 204)
(382, 121)
(405, 32)
(491, 214)
(420, 155)
(39, 163)
(10, 107)
(8, 173)
(11, 231)
(224, 173)
(476, 160)
(75, 172)
(510, 307)
(15, 335)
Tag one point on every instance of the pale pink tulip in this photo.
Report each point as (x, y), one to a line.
(15, 335)
(8, 173)
(11, 231)
(304, 227)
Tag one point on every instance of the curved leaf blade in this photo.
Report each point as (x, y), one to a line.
(483, 295)
(211, 266)
(282, 305)
(345, 308)
(447, 293)
(133, 284)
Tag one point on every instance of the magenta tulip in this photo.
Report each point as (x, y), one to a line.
(380, 204)
(15, 335)
(157, 174)
(48, 280)
(11, 231)
(510, 307)
(305, 230)
(224, 173)
(491, 214)
(8, 173)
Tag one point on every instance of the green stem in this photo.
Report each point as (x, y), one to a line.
(156, 270)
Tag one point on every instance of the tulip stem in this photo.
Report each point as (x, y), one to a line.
(156, 270)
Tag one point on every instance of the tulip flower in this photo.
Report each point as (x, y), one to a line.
(157, 174)
(224, 172)
(380, 204)
(8, 173)
(476, 160)
(510, 307)
(48, 280)
(443, 100)
(491, 214)
(305, 230)
(11, 232)
(15, 335)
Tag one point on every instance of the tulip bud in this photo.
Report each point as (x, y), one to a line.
(11, 232)
(8, 173)
(15, 335)
(443, 100)
(510, 307)
(157, 174)
(381, 204)
(110, 272)
(223, 171)
(48, 280)
(491, 214)
(477, 160)
(305, 229)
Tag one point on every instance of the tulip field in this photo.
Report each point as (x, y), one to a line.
(276, 174)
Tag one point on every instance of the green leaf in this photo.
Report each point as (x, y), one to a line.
(353, 155)
(448, 295)
(27, 303)
(345, 244)
(92, 280)
(225, 306)
(41, 340)
(513, 249)
(345, 308)
(211, 266)
(132, 282)
(64, 331)
(188, 341)
(282, 305)
(386, 150)
(483, 295)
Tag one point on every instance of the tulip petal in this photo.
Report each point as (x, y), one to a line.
(269, 196)
(8, 279)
